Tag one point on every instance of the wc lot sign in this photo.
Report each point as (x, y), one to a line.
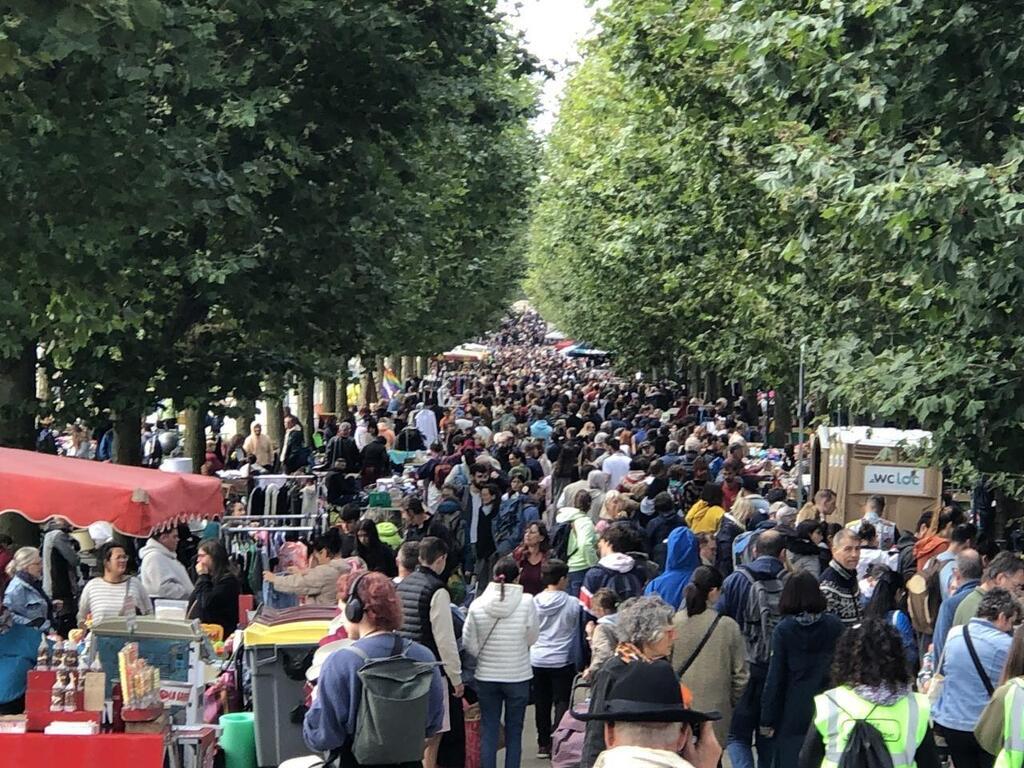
(894, 481)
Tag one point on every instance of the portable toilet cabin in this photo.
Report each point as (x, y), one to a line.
(858, 462)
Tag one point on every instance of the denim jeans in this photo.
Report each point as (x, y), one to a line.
(575, 582)
(514, 697)
(746, 718)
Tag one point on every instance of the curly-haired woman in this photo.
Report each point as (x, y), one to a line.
(873, 684)
(645, 632)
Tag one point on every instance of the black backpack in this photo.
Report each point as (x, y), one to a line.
(560, 542)
(865, 747)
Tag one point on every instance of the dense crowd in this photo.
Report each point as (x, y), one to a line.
(632, 562)
(589, 524)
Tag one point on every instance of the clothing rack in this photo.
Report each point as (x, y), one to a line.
(230, 520)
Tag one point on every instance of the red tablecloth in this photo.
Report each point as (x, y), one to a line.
(105, 750)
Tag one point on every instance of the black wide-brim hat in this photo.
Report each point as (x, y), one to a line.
(647, 692)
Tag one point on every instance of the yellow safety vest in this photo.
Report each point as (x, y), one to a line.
(902, 725)
(1012, 753)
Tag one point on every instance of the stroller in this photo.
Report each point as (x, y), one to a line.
(567, 739)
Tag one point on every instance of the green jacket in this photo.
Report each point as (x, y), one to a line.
(582, 540)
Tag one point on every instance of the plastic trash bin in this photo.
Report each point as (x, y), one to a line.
(278, 658)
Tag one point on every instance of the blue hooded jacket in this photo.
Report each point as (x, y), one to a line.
(682, 560)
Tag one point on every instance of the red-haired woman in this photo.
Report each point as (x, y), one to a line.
(373, 612)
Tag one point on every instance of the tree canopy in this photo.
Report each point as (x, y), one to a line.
(200, 193)
(744, 177)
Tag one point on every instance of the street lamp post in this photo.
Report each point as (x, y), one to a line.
(800, 412)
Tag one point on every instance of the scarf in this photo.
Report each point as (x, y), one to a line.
(628, 653)
(884, 695)
(806, 619)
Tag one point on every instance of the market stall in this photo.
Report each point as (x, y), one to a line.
(133, 500)
(70, 697)
(467, 353)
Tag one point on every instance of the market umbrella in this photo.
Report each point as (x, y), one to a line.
(132, 499)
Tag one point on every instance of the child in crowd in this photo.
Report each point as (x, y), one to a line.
(553, 656)
(601, 633)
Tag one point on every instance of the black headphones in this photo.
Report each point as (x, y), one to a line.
(354, 609)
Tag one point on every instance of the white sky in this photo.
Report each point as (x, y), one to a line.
(553, 28)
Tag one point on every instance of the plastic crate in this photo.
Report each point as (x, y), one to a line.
(380, 499)
(278, 680)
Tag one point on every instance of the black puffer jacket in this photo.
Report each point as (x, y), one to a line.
(215, 602)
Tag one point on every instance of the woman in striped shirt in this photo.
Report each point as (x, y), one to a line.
(115, 593)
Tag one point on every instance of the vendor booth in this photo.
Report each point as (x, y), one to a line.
(467, 353)
(858, 462)
(74, 688)
(133, 500)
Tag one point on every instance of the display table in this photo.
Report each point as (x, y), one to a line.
(104, 750)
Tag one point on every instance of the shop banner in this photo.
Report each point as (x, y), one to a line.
(894, 481)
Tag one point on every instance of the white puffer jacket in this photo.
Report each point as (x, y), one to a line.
(494, 633)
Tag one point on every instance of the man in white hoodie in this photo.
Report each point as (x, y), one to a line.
(162, 573)
(554, 655)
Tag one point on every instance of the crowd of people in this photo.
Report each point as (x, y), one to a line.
(622, 536)
(614, 553)
(52, 589)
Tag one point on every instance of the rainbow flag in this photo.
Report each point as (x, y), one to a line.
(390, 384)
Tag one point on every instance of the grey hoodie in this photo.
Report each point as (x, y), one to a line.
(162, 573)
(559, 617)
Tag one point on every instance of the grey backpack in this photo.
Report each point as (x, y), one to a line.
(761, 614)
(391, 724)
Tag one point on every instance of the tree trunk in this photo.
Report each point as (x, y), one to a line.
(275, 411)
(712, 385)
(128, 437)
(408, 370)
(246, 415)
(341, 390)
(330, 402)
(783, 417)
(17, 396)
(367, 384)
(421, 365)
(304, 390)
(693, 384)
(1006, 509)
(379, 364)
(195, 438)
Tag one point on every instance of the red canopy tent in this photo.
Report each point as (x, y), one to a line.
(132, 499)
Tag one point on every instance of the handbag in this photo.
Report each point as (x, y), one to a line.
(938, 680)
(128, 607)
(700, 647)
(977, 663)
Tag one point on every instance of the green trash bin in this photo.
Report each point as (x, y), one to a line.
(238, 740)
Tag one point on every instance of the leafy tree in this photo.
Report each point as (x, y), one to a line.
(870, 151)
(264, 180)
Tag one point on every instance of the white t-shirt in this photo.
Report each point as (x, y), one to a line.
(104, 600)
(617, 467)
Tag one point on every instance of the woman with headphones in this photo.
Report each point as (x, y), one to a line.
(379, 657)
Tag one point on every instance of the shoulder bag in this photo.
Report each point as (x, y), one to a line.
(977, 663)
(700, 647)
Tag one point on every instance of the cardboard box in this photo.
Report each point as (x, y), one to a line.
(162, 724)
(95, 688)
